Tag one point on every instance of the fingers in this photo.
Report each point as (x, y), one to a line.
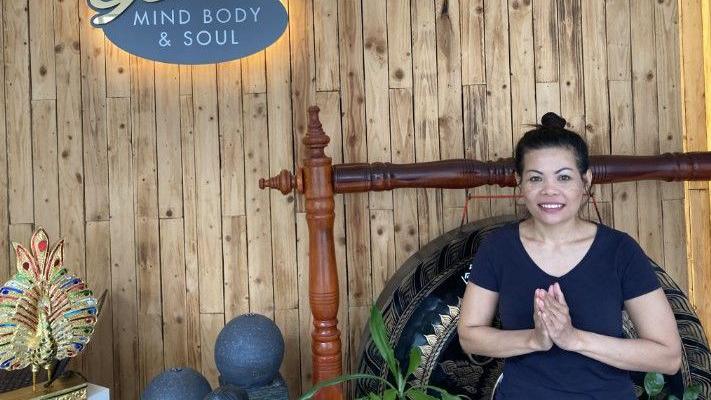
(559, 293)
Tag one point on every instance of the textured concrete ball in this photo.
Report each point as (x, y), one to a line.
(177, 384)
(249, 351)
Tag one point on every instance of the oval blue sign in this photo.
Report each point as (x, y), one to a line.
(191, 31)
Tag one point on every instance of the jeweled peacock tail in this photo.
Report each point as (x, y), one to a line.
(45, 313)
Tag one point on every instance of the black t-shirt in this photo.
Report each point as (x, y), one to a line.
(613, 270)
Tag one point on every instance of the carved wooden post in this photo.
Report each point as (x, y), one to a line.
(323, 275)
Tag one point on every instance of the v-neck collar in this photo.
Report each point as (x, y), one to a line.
(522, 248)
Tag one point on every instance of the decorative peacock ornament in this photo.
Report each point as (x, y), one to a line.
(45, 313)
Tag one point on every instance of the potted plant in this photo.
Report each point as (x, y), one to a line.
(399, 388)
(654, 387)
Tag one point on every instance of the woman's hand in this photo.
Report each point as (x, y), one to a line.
(556, 318)
(540, 338)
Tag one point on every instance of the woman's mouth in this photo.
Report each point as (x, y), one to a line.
(551, 207)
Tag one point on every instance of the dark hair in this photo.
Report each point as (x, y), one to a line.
(552, 133)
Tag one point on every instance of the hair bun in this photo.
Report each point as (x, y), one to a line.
(552, 120)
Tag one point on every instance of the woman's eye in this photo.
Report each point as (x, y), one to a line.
(564, 177)
(534, 179)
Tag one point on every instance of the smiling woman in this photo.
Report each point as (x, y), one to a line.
(560, 289)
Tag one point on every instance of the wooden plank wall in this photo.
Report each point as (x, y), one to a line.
(149, 171)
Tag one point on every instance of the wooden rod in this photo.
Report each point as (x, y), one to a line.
(460, 174)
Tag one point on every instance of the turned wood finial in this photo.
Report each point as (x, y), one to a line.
(316, 139)
(285, 182)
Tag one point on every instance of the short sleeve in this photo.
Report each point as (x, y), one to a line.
(638, 276)
(482, 272)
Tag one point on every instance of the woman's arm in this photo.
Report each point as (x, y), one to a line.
(476, 335)
(657, 349)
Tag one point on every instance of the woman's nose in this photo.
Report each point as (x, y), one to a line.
(550, 187)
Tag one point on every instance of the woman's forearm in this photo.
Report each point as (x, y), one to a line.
(492, 342)
(629, 354)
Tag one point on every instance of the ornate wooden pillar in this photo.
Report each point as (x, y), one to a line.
(315, 180)
(323, 275)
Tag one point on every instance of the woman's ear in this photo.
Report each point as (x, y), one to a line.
(587, 179)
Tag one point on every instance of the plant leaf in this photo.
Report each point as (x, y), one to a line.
(390, 394)
(418, 394)
(672, 397)
(414, 362)
(341, 379)
(382, 341)
(653, 383)
(373, 396)
(445, 395)
(692, 392)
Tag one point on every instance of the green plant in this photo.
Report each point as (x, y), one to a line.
(654, 387)
(400, 389)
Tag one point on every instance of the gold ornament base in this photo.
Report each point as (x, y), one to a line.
(71, 387)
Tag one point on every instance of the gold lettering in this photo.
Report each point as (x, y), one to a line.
(117, 6)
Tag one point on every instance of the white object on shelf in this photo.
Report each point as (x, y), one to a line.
(95, 392)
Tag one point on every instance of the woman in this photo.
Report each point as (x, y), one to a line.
(560, 284)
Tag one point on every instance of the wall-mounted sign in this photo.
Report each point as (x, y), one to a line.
(191, 31)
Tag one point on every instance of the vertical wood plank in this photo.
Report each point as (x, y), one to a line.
(404, 200)
(150, 338)
(99, 357)
(624, 195)
(192, 273)
(597, 106)
(472, 19)
(207, 186)
(210, 325)
(424, 56)
(44, 154)
(700, 282)
(545, 35)
(253, 73)
(674, 227)
(144, 135)
(646, 128)
(618, 40)
(259, 240)
(234, 248)
(326, 44)
(547, 98)
(69, 134)
(280, 139)
(476, 145)
(172, 255)
(354, 148)
(666, 33)
(42, 66)
(229, 98)
(377, 125)
(570, 47)
(449, 94)
(399, 43)
(94, 114)
(5, 265)
(498, 103)
(17, 111)
(383, 249)
(186, 80)
(288, 323)
(123, 250)
(118, 70)
(167, 107)
(523, 74)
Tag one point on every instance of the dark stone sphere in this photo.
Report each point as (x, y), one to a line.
(177, 384)
(228, 392)
(249, 351)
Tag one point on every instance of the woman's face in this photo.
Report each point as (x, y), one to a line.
(551, 184)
